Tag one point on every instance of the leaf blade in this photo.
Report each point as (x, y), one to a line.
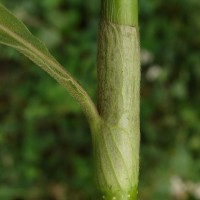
(15, 34)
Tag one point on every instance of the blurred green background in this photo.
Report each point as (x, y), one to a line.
(45, 143)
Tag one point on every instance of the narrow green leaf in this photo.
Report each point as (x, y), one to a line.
(15, 34)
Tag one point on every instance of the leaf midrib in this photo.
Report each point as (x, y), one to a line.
(33, 49)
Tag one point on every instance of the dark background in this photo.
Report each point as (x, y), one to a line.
(45, 143)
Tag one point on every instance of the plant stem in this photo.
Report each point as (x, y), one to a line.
(117, 138)
(123, 12)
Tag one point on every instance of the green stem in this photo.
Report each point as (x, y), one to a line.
(116, 139)
(123, 12)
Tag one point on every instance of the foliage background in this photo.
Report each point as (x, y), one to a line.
(45, 144)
